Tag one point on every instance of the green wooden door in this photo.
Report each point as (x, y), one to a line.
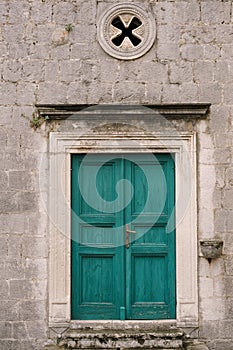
(112, 279)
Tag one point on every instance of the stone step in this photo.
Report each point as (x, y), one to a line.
(159, 338)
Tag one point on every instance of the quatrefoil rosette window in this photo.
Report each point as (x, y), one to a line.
(126, 31)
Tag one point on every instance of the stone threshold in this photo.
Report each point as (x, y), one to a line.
(120, 335)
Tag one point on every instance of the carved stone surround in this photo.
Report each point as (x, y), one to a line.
(126, 31)
(122, 140)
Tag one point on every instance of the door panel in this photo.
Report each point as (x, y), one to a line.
(97, 252)
(150, 259)
(106, 276)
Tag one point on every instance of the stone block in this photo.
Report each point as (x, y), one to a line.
(229, 177)
(228, 94)
(18, 224)
(228, 261)
(223, 71)
(13, 33)
(77, 92)
(18, 51)
(36, 329)
(21, 180)
(19, 12)
(168, 51)
(20, 289)
(219, 121)
(3, 180)
(31, 310)
(187, 12)
(12, 70)
(223, 34)
(211, 52)
(41, 13)
(156, 71)
(225, 329)
(128, 92)
(99, 93)
(14, 247)
(165, 12)
(7, 93)
(35, 247)
(228, 199)
(5, 116)
(226, 51)
(216, 12)
(222, 140)
(64, 12)
(3, 247)
(171, 93)
(203, 72)
(192, 52)
(39, 289)
(9, 310)
(51, 70)
(63, 52)
(3, 11)
(209, 329)
(212, 309)
(86, 35)
(206, 224)
(26, 201)
(19, 330)
(26, 93)
(189, 92)
(52, 93)
(18, 345)
(14, 269)
(223, 345)
(211, 92)
(153, 93)
(229, 221)
(168, 34)
(89, 72)
(4, 290)
(86, 12)
(86, 52)
(206, 287)
(229, 286)
(180, 72)
(220, 219)
(59, 37)
(229, 308)
(36, 268)
(5, 330)
(109, 71)
(70, 70)
(217, 199)
(33, 71)
(39, 50)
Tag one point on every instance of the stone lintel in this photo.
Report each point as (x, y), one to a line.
(175, 111)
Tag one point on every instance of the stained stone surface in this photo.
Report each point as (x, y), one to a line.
(41, 63)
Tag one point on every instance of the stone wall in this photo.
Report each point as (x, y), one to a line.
(43, 63)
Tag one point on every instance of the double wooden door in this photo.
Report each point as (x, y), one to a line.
(123, 237)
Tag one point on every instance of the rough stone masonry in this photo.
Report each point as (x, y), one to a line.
(42, 62)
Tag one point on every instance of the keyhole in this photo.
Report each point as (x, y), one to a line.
(126, 31)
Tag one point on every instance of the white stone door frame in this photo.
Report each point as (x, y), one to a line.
(183, 146)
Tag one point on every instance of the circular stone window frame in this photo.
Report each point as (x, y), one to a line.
(104, 35)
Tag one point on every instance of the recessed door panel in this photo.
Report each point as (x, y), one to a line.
(123, 252)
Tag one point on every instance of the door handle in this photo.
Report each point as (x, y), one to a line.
(127, 232)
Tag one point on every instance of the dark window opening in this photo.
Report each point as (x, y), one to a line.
(126, 31)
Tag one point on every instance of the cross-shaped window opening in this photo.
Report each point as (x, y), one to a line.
(126, 31)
